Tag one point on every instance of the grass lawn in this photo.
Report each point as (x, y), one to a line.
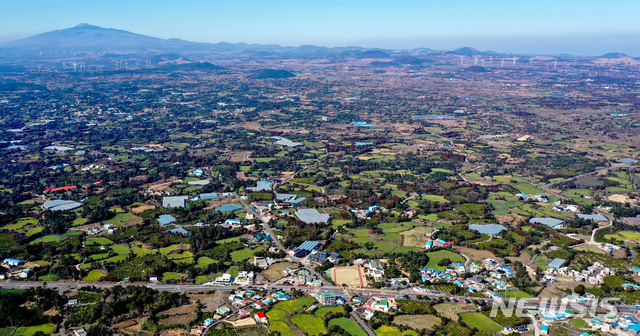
(234, 271)
(386, 247)
(322, 311)
(515, 294)
(206, 278)
(429, 217)
(98, 241)
(35, 230)
(481, 322)
(349, 325)
(276, 315)
(47, 239)
(48, 277)
(48, 329)
(406, 249)
(94, 276)
(312, 325)
(336, 223)
(169, 249)
(293, 306)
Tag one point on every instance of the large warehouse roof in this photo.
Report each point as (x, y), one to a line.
(490, 229)
(548, 221)
(61, 205)
(174, 202)
(593, 217)
(228, 208)
(166, 219)
(312, 216)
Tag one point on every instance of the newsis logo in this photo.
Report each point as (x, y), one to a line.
(520, 307)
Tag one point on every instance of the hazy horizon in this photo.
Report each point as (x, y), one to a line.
(546, 27)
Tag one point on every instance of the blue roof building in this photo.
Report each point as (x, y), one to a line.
(309, 245)
(264, 185)
(209, 196)
(181, 231)
(228, 208)
(490, 229)
(165, 220)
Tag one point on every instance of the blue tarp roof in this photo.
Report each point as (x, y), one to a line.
(228, 208)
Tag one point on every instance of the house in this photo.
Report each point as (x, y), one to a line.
(260, 317)
(368, 314)
(225, 279)
(223, 311)
(25, 273)
(259, 305)
(326, 299)
(544, 330)
(244, 278)
(243, 313)
(80, 332)
(441, 243)
(153, 278)
(207, 322)
(428, 245)
(260, 262)
(334, 257)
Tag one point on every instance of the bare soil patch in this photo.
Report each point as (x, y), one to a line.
(174, 332)
(475, 255)
(177, 319)
(238, 156)
(275, 271)
(186, 309)
(415, 237)
(142, 208)
(418, 321)
(451, 310)
(350, 276)
(620, 198)
(589, 248)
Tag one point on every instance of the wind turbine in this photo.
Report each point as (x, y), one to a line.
(74, 66)
(476, 58)
(483, 62)
(555, 63)
(514, 60)
(502, 65)
(461, 60)
(531, 61)
(490, 59)
(39, 67)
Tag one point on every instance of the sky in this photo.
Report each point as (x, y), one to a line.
(587, 27)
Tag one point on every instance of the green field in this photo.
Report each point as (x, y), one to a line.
(580, 323)
(312, 325)
(139, 251)
(281, 327)
(322, 311)
(481, 322)
(94, 276)
(228, 240)
(349, 325)
(47, 329)
(276, 315)
(98, 241)
(204, 262)
(242, 255)
(624, 235)
(293, 306)
(515, 294)
(435, 198)
(393, 331)
(528, 189)
(121, 249)
(435, 257)
(171, 276)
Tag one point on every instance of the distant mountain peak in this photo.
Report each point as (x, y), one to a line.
(614, 55)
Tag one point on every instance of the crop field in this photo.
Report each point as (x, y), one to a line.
(481, 322)
(393, 331)
(140, 251)
(311, 325)
(624, 235)
(435, 198)
(528, 189)
(242, 255)
(451, 310)
(171, 276)
(281, 327)
(418, 321)
(293, 306)
(121, 249)
(349, 325)
(276, 314)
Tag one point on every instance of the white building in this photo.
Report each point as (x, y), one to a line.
(225, 279)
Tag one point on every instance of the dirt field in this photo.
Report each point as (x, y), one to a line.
(351, 276)
(418, 321)
(174, 332)
(475, 255)
(186, 309)
(238, 156)
(219, 202)
(523, 258)
(179, 319)
(620, 198)
(589, 248)
(211, 302)
(451, 310)
(244, 322)
(415, 237)
(510, 219)
(275, 271)
(142, 208)
(552, 292)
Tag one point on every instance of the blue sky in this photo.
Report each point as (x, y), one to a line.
(533, 26)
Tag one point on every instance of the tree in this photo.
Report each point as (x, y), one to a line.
(579, 289)
(444, 262)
